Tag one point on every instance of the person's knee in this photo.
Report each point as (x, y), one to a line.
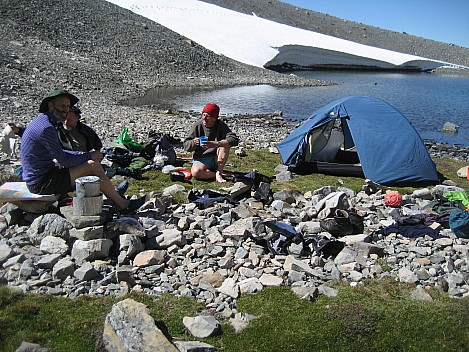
(197, 171)
(95, 168)
(223, 152)
(200, 171)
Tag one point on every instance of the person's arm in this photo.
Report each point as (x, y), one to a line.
(65, 158)
(188, 143)
(18, 130)
(228, 136)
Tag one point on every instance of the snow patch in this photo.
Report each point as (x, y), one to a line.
(259, 42)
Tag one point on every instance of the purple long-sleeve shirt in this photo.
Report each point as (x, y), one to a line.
(40, 145)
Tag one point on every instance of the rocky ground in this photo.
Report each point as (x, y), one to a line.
(215, 252)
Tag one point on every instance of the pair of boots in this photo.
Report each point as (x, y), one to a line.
(343, 223)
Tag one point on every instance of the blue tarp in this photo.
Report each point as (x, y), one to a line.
(389, 148)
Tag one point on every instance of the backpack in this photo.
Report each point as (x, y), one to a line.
(120, 156)
(459, 223)
(159, 144)
(278, 238)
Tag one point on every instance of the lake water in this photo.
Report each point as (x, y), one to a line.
(427, 100)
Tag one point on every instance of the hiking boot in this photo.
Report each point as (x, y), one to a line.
(339, 225)
(122, 187)
(357, 223)
(133, 206)
(64, 200)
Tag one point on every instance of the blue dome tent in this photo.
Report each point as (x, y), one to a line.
(359, 136)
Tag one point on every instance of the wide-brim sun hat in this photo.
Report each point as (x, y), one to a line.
(54, 93)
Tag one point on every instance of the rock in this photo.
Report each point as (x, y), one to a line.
(63, 268)
(5, 252)
(406, 275)
(420, 294)
(194, 346)
(202, 326)
(306, 292)
(91, 250)
(30, 347)
(129, 327)
(270, 280)
(241, 321)
(284, 176)
(49, 225)
(87, 233)
(150, 257)
(53, 245)
(86, 272)
(450, 127)
(462, 172)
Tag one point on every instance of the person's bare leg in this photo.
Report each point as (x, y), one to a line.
(222, 158)
(92, 168)
(200, 172)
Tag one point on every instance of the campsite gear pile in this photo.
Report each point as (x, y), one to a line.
(459, 223)
(132, 158)
(447, 210)
(279, 238)
(359, 136)
(159, 147)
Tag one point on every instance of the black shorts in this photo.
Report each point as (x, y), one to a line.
(57, 181)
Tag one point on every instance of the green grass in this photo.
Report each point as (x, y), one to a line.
(379, 317)
(63, 324)
(376, 316)
(265, 162)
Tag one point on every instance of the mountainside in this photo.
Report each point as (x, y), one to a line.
(357, 32)
(106, 54)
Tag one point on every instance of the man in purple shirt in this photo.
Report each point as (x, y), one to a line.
(41, 152)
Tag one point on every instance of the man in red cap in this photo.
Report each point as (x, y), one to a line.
(210, 139)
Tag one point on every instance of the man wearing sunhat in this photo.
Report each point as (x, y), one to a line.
(73, 134)
(41, 151)
(210, 155)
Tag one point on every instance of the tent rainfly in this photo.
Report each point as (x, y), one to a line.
(360, 136)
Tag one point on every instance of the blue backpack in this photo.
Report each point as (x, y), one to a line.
(459, 223)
